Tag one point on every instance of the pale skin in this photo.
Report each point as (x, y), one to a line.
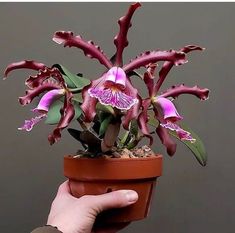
(78, 215)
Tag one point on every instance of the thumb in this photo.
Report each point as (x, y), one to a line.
(64, 188)
(115, 199)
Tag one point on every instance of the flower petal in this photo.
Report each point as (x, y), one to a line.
(67, 114)
(116, 75)
(175, 91)
(48, 99)
(33, 65)
(167, 108)
(176, 57)
(32, 93)
(45, 75)
(166, 67)
(89, 48)
(89, 103)
(28, 124)
(149, 78)
(183, 134)
(115, 98)
(143, 120)
(166, 140)
(134, 111)
(120, 39)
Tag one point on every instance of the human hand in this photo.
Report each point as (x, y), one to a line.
(78, 215)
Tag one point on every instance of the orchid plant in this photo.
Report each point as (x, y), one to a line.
(110, 111)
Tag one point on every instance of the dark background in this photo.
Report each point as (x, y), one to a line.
(189, 198)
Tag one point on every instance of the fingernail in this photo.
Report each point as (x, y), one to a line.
(131, 196)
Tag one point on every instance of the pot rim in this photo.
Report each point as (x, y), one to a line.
(92, 169)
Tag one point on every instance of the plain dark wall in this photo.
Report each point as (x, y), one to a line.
(189, 198)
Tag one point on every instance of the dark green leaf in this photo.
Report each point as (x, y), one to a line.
(104, 125)
(105, 108)
(78, 97)
(134, 128)
(152, 120)
(131, 136)
(72, 80)
(197, 148)
(53, 115)
(135, 73)
(88, 139)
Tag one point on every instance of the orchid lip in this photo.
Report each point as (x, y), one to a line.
(48, 99)
(113, 90)
(28, 124)
(182, 134)
(114, 98)
(167, 108)
(116, 75)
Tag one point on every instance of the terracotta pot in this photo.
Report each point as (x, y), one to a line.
(93, 176)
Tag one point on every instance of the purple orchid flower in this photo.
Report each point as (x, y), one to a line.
(47, 80)
(169, 117)
(164, 109)
(114, 87)
(42, 108)
(112, 91)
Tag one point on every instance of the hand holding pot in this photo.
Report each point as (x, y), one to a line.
(78, 215)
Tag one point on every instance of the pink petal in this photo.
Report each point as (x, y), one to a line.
(48, 99)
(28, 124)
(183, 134)
(116, 99)
(116, 75)
(167, 108)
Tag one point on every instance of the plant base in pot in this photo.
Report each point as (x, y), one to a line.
(94, 176)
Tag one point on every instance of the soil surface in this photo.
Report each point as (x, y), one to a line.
(140, 152)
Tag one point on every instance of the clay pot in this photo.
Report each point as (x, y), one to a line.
(93, 176)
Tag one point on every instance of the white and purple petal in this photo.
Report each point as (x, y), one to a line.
(182, 134)
(28, 124)
(115, 98)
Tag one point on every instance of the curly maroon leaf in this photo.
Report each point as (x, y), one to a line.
(67, 114)
(43, 75)
(143, 120)
(166, 140)
(89, 103)
(120, 40)
(175, 91)
(149, 78)
(33, 65)
(133, 112)
(89, 48)
(190, 48)
(176, 57)
(32, 93)
(166, 67)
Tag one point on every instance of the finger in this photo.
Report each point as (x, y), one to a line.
(64, 188)
(116, 199)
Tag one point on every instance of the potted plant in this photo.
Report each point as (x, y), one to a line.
(113, 117)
